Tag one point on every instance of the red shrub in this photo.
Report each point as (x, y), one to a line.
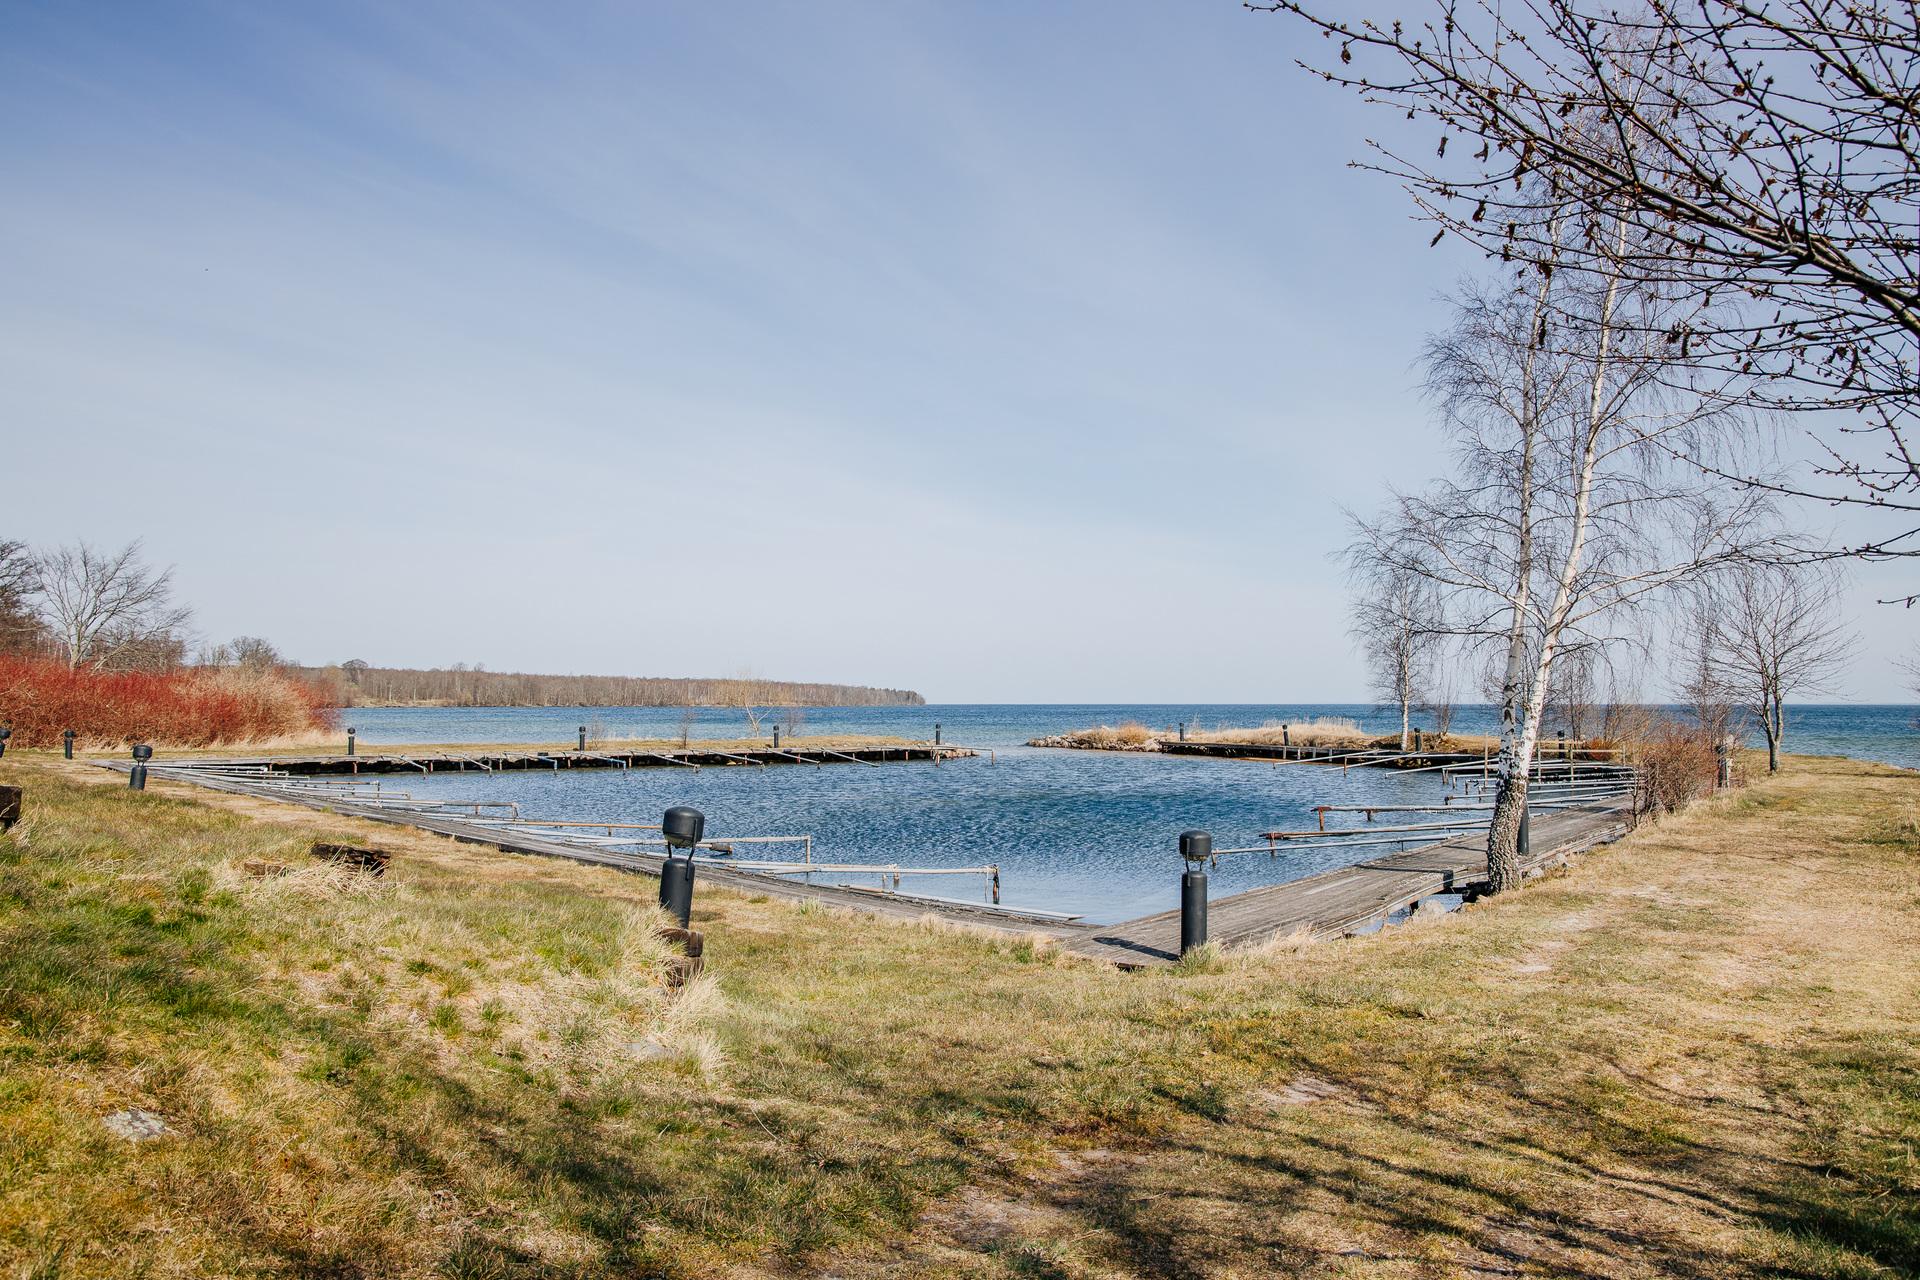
(39, 700)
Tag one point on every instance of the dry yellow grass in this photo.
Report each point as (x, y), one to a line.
(1693, 1054)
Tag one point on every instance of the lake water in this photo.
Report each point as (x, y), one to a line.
(1090, 832)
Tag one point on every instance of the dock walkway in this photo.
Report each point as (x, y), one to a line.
(499, 761)
(1345, 900)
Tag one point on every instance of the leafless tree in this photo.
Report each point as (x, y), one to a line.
(1703, 687)
(1764, 154)
(255, 654)
(1445, 696)
(1773, 632)
(1573, 694)
(20, 628)
(1566, 508)
(1398, 622)
(110, 609)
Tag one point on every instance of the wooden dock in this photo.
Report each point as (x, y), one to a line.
(1330, 904)
(499, 761)
(1346, 900)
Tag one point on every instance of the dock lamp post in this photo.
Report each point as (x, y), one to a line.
(1196, 847)
(137, 776)
(683, 829)
(350, 732)
(66, 743)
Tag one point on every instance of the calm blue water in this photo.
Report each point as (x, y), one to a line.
(1089, 832)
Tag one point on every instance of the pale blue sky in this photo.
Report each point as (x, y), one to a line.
(1004, 353)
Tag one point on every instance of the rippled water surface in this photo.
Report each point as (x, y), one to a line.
(1090, 832)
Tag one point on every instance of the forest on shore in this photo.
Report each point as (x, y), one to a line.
(356, 684)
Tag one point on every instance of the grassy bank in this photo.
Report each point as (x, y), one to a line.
(1695, 1054)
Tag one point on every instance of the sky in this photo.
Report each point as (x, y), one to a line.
(1003, 352)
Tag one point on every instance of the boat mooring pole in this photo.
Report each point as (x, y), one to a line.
(1195, 848)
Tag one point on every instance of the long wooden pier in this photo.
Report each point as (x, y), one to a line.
(1348, 899)
(496, 760)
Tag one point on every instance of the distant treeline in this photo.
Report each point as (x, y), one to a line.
(357, 685)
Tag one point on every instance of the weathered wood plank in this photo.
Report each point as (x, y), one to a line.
(1337, 902)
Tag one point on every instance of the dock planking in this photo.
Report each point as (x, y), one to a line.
(1335, 903)
(380, 762)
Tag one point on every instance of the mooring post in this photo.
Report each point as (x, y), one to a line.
(350, 732)
(137, 776)
(1195, 847)
(683, 827)
(66, 743)
(583, 737)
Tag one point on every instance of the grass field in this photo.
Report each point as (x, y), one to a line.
(1697, 1053)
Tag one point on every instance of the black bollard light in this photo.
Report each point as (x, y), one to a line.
(1564, 754)
(776, 737)
(350, 732)
(1183, 731)
(4, 735)
(1286, 735)
(683, 828)
(936, 735)
(1196, 847)
(583, 737)
(1524, 843)
(66, 742)
(137, 776)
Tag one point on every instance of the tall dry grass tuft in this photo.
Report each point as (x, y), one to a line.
(1131, 736)
(1326, 731)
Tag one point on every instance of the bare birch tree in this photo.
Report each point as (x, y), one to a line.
(1398, 623)
(109, 609)
(20, 628)
(1763, 154)
(1772, 632)
(1566, 508)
